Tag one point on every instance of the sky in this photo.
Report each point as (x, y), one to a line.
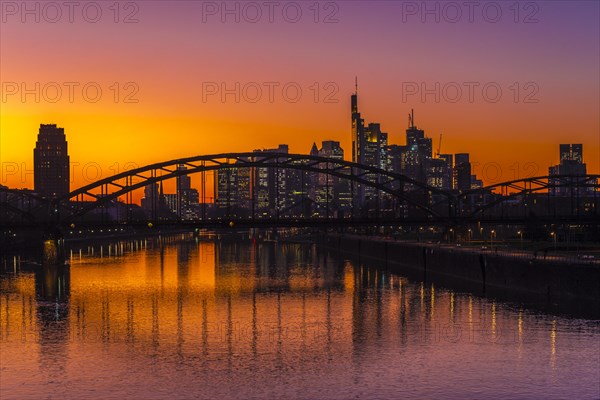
(139, 82)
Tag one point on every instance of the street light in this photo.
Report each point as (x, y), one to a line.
(469, 235)
(554, 239)
(492, 234)
(520, 233)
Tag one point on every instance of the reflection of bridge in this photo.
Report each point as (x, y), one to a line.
(396, 198)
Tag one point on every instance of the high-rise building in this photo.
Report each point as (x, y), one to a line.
(156, 204)
(394, 158)
(227, 193)
(171, 202)
(269, 185)
(358, 128)
(416, 155)
(571, 152)
(234, 190)
(369, 147)
(51, 162)
(476, 183)
(571, 164)
(261, 189)
(187, 197)
(298, 186)
(437, 173)
(448, 183)
(462, 172)
(150, 199)
(328, 187)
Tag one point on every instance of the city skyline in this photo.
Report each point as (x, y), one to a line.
(432, 147)
(418, 158)
(174, 110)
(232, 199)
(242, 191)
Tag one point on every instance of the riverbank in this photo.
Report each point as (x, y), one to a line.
(551, 280)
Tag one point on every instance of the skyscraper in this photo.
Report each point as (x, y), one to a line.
(417, 152)
(327, 186)
(571, 164)
(150, 199)
(571, 152)
(51, 162)
(187, 197)
(369, 147)
(358, 129)
(269, 185)
(462, 172)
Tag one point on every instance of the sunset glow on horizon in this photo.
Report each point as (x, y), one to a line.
(158, 78)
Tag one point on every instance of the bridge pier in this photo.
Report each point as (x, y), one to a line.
(53, 250)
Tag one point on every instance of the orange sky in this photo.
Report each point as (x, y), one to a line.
(170, 56)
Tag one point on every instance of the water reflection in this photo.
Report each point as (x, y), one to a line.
(153, 318)
(52, 290)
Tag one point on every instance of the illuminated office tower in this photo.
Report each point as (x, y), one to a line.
(571, 164)
(369, 147)
(187, 197)
(269, 186)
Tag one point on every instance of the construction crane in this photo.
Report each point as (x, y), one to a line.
(439, 149)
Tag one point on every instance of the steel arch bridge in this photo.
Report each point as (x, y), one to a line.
(433, 204)
(573, 188)
(21, 204)
(125, 183)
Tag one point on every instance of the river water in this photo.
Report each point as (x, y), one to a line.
(189, 318)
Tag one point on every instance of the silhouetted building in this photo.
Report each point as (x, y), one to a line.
(234, 191)
(155, 205)
(187, 197)
(439, 175)
(299, 190)
(171, 202)
(416, 155)
(369, 147)
(227, 191)
(571, 164)
(331, 192)
(150, 199)
(253, 190)
(269, 185)
(448, 183)
(476, 183)
(571, 152)
(51, 162)
(462, 172)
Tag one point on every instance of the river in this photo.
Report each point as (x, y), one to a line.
(227, 318)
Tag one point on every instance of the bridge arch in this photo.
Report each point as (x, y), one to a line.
(8, 198)
(116, 186)
(518, 187)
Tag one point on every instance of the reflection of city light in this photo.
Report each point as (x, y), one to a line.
(432, 301)
(470, 310)
(553, 344)
(520, 332)
(494, 321)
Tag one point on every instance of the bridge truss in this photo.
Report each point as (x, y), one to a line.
(395, 198)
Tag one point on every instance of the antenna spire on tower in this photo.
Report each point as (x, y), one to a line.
(356, 85)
